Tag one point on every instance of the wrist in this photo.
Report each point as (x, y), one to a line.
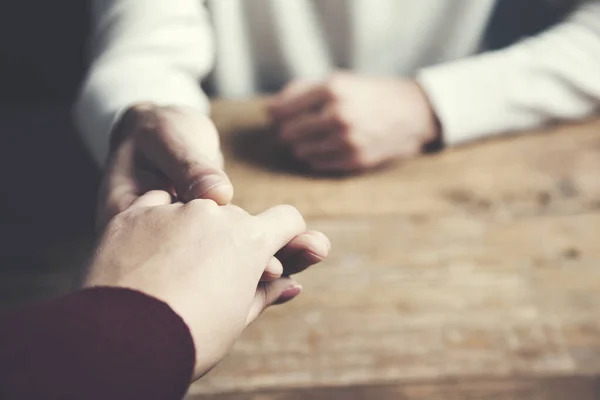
(126, 123)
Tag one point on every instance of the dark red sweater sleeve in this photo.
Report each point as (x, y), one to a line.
(101, 343)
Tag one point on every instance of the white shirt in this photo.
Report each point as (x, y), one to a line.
(160, 51)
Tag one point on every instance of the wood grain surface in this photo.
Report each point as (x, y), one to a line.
(480, 265)
(473, 274)
(548, 388)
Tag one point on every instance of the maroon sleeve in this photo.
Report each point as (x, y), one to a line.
(101, 343)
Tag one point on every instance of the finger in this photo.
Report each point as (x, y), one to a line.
(305, 127)
(331, 144)
(273, 271)
(293, 88)
(307, 98)
(303, 251)
(153, 198)
(280, 225)
(333, 162)
(269, 293)
(119, 191)
(210, 185)
(182, 155)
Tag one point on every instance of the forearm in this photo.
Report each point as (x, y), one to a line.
(103, 343)
(143, 51)
(553, 76)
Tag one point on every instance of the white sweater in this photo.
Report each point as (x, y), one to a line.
(160, 50)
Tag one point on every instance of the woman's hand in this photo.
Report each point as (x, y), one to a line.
(205, 261)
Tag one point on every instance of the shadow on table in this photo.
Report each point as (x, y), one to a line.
(260, 148)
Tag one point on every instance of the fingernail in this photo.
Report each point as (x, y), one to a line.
(288, 294)
(199, 188)
(274, 273)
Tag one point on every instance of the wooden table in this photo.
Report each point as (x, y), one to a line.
(472, 274)
(469, 275)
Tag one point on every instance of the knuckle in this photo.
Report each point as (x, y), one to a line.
(125, 217)
(355, 153)
(288, 209)
(361, 160)
(339, 120)
(330, 90)
(201, 206)
(335, 84)
(410, 150)
(236, 210)
(291, 212)
(294, 86)
(114, 224)
(353, 145)
(299, 152)
(119, 222)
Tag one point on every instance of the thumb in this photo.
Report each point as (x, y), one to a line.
(153, 198)
(204, 181)
(184, 145)
(269, 293)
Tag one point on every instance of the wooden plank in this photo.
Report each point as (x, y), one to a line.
(451, 296)
(479, 262)
(451, 274)
(551, 388)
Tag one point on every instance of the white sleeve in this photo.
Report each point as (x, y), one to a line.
(142, 51)
(552, 76)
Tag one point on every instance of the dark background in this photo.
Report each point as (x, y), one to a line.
(47, 181)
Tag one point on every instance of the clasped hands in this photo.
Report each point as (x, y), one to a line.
(216, 265)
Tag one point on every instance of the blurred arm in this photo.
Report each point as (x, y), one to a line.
(552, 76)
(142, 51)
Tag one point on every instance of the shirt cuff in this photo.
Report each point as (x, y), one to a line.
(469, 97)
(546, 78)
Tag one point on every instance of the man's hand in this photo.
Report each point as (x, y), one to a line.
(205, 261)
(170, 148)
(351, 123)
